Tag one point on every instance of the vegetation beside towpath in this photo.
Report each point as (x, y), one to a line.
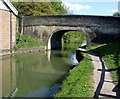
(111, 54)
(79, 82)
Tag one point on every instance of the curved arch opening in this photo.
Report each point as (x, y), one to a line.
(55, 40)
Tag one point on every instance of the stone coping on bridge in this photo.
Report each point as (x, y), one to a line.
(61, 15)
(70, 20)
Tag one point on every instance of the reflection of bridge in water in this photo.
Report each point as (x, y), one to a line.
(35, 69)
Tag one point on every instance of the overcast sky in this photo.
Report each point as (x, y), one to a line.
(89, 7)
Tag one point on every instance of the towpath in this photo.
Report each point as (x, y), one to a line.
(103, 84)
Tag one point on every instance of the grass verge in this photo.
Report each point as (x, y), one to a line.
(79, 82)
(111, 54)
(26, 41)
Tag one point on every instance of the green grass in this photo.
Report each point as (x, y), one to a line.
(107, 49)
(79, 82)
(115, 69)
(26, 41)
(111, 54)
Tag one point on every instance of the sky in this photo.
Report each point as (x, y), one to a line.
(91, 7)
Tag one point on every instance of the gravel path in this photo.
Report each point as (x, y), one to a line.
(103, 83)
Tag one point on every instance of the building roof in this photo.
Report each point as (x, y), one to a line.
(3, 6)
(7, 5)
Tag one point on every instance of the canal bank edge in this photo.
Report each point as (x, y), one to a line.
(23, 50)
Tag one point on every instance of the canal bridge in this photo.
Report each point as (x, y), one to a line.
(51, 28)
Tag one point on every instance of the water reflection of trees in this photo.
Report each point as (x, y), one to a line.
(35, 71)
(32, 71)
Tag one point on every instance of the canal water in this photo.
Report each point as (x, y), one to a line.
(35, 74)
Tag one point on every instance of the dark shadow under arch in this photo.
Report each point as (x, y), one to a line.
(56, 39)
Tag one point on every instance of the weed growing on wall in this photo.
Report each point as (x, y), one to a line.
(26, 41)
